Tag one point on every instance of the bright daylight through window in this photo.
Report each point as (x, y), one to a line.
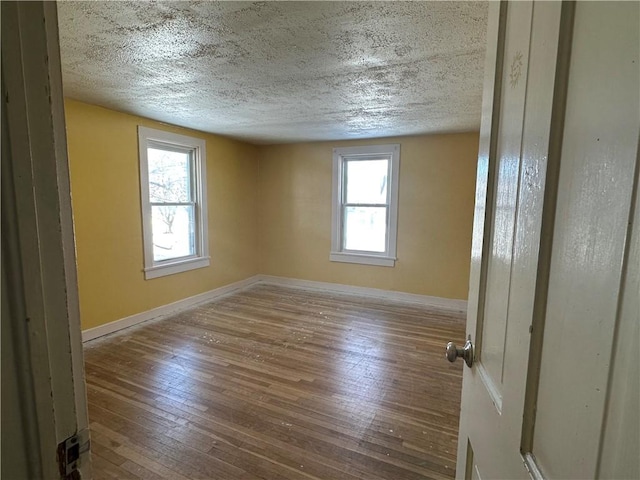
(173, 175)
(365, 204)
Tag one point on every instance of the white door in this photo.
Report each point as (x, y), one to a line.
(554, 291)
(44, 408)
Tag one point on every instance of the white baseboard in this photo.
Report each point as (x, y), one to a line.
(457, 306)
(452, 305)
(165, 310)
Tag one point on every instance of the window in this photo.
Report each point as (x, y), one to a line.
(365, 204)
(174, 202)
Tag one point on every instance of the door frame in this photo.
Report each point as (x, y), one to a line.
(39, 277)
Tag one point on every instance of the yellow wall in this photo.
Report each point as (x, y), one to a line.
(105, 188)
(436, 200)
(269, 212)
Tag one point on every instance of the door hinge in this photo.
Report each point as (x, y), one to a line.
(70, 453)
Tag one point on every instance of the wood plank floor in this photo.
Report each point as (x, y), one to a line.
(278, 383)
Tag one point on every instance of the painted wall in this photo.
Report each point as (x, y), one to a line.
(105, 187)
(269, 212)
(436, 201)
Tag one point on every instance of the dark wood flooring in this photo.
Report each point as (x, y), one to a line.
(278, 383)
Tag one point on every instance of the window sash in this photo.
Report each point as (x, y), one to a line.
(341, 158)
(172, 204)
(191, 232)
(196, 246)
(169, 147)
(344, 204)
(194, 148)
(365, 205)
(193, 195)
(192, 155)
(343, 234)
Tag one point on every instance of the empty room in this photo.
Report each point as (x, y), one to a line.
(320, 240)
(304, 356)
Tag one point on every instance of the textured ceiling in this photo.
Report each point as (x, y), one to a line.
(270, 72)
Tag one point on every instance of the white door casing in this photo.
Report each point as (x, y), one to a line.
(40, 298)
(553, 262)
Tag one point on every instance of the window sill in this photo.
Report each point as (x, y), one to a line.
(176, 267)
(363, 259)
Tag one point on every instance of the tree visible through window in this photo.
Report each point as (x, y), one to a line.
(172, 201)
(173, 198)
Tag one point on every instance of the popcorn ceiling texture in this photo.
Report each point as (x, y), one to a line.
(276, 72)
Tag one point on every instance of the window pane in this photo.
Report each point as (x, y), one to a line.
(173, 231)
(366, 181)
(169, 176)
(365, 228)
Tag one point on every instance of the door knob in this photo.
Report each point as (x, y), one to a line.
(465, 352)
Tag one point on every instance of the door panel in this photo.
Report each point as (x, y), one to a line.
(491, 348)
(594, 199)
(523, 101)
(620, 444)
(555, 268)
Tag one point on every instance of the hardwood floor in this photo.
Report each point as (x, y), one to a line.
(278, 383)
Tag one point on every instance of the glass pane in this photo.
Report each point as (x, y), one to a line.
(366, 181)
(169, 176)
(173, 231)
(365, 228)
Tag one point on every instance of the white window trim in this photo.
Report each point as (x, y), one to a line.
(151, 268)
(338, 254)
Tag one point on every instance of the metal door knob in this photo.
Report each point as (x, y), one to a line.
(465, 352)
